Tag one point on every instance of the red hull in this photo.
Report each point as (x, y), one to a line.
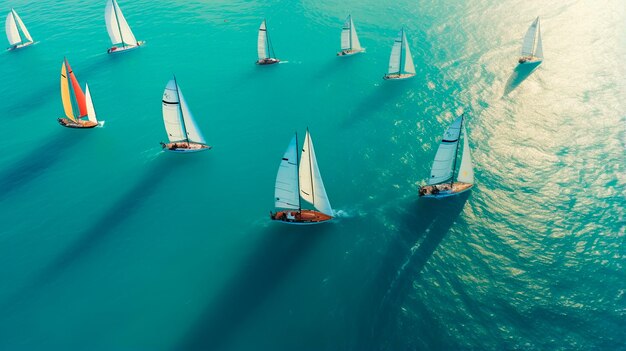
(302, 217)
(65, 122)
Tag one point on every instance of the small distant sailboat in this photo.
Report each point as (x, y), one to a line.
(182, 130)
(350, 44)
(76, 104)
(264, 47)
(14, 26)
(441, 182)
(400, 62)
(532, 48)
(300, 179)
(121, 36)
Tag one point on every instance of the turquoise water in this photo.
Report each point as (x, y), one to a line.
(107, 243)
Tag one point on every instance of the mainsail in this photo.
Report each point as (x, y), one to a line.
(172, 113)
(286, 192)
(532, 41)
(396, 52)
(117, 27)
(443, 164)
(178, 119)
(311, 184)
(65, 94)
(264, 47)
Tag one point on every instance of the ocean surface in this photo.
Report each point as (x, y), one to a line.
(107, 243)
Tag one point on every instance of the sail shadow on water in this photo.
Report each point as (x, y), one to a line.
(36, 162)
(519, 74)
(424, 224)
(101, 230)
(382, 95)
(265, 268)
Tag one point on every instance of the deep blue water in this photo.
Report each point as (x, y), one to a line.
(106, 243)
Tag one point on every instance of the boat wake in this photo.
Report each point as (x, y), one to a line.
(101, 124)
(352, 213)
(283, 62)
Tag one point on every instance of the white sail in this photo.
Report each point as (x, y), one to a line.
(311, 184)
(394, 59)
(539, 47)
(171, 113)
(441, 171)
(111, 23)
(356, 45)
(345, 34)
(286, 193)
(117, 27)
(262, 42)
(22, 26)
(11, 29)
(91, 111)
(409, 67)
(193, 132)
(466, 171)
(528, 47)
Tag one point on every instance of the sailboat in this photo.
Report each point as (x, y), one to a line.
(297, 180)
(121, 36)
(441, 182)
(76, 104)
(14, 26)
(182, 131)
(532, 49)
(350, 44)
(400, 62)
(264, 47)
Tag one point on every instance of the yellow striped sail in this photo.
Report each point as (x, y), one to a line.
(65, 94)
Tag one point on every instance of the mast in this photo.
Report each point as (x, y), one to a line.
(350, 31)
(118, 26)
(456, 153)
(401, 45)
(532, 54)
(298, 175)
(311, 167)
(268, 43)
(17, 26)
(180, 108)
(535, 38)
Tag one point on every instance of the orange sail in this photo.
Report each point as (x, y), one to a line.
(65, 94)
(78, 92)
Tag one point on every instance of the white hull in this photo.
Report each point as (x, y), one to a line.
(303, 223)
(530, 62)
(124, 48)
(443, 194)
(351, 53)
(16, 47)
(398, 76)
(185, 151)
(267, 61)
